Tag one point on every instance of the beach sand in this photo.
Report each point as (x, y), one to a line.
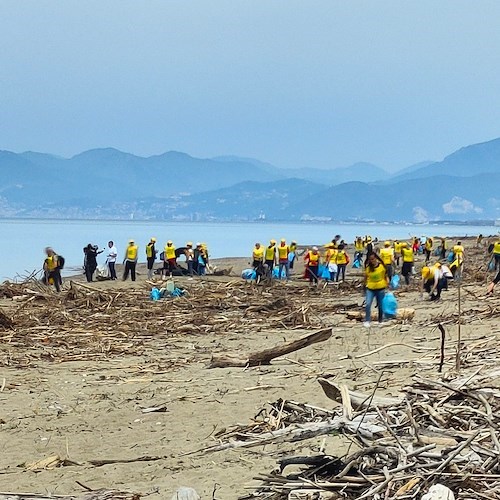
(92, 410)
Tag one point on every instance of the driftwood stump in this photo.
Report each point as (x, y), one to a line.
(265, 357)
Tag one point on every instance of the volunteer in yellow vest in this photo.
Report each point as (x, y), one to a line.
(376, 282)
(151, 256)
(313, 261)
(51, 269)
(428, 248)
(408, 261)
(331, 261)
(496, 254)
(283, 251)
(433, 281)
(387, 256)
(397, 252)
(341, 259)
(169, 259)
(293, 253)
(359, 248)
(130, 261)
(458, 263)
(270, 257)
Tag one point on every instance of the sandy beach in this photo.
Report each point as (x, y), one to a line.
(113, 376)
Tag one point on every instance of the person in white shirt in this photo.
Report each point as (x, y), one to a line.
(112, 254)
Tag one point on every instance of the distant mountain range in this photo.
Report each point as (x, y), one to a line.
(107, 183)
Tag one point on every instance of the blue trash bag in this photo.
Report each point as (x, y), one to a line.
(437, 252)
(491, 265)
(356, 264)
(291, 256)
(324, 272)
(248, 274)
(276, 273)
(389, 305)
(394, 284)
(155, 294)
(451, 257)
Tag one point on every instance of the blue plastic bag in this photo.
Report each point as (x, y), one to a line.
(155, 294)
(248, 274)
(451, 257)
(291, 256)
(356, 264)
(325, 273)
(491, 265)
(394, 284)
(389, 305)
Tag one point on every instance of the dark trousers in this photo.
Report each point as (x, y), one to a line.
(112, 270)
(312, 271)
(89, 273)
(151, 262)
(270, 266)
(406, 271)
(56, 276)
(430, 283)
(341, 272)
(129, 267)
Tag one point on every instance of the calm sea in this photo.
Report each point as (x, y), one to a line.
(25, 240)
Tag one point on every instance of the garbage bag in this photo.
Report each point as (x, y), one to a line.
(394, 284)
(155, 294)
(389, 305)
(451, 257)
(248, 274)
(324, 272)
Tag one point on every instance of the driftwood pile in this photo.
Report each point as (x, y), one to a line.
(83, 322)
(437, 432)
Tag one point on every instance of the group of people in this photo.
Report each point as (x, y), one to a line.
(282, 256)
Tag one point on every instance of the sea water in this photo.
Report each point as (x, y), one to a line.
(24, 240)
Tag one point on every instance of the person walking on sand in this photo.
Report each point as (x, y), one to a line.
(169, 259)
(292, 256)
(397, 252)
(283, 263)
(387, 256)
(189, 253)
(408, 262)
(90, 261)
(52, 266)
(313, 260)
(442, 248)
(258, 261)
(270, 258)
(341, 259)
(151, 256)
(376, 282)
(112, 255)
(130, 261)
(496, 254)
(458, 252)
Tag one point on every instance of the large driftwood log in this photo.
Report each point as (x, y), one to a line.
(403, 314)
(341, 394)
(265, 357)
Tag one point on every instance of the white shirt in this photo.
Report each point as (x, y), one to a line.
(112, 254)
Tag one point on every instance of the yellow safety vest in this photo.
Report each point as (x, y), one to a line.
(283, 252)
(169, 252)
(341, 257)
(258, 254)
(376, 279)
(407, 254)
(270, 252)
(496, 247)
(386, 254)
(149, 250)
(313, 259)
(132, 252)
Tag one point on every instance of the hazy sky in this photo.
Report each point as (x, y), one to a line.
(296, 83)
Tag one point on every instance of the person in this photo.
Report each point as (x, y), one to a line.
(204, 247)
(130, 260)
(491, 286)
(90, 261)
(283, 251)
(428, 249)
(408, 261)
(376, 282)
(112, 255)
(258, 261)
(189, 252)
(52, 269)
(169, 259)
(479, 240)
(292, 255)
(331, 261)
(397, 252)
(433, 281)
(416, 245)
(387, 256)
(341, 259)
(442, 247)
(359, 247)
(368, 246)
(496, 254)
(151, 256)
(200, 261)
(458, 252)
(270, 258)
(313, 260)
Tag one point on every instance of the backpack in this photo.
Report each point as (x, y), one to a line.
(60, 262)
